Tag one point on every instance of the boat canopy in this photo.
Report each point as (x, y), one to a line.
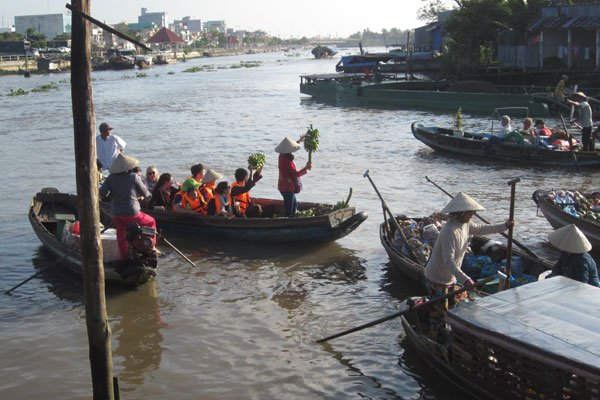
(556, 318)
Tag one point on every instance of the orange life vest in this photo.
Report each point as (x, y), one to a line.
(207, 191)
(198, 205)
(242, 199)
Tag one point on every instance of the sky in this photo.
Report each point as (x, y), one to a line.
(285, 19)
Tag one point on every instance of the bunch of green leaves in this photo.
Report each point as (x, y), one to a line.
(18, 92)
(311, 141)
(305, 213)
(458, 119)
(257, 160)
(343, 203)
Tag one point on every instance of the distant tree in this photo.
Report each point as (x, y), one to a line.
(10, 37)
(63, 36)
(36, 39)
(432, 8)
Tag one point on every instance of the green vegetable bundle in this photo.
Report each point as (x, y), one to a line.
(257, 160)
(311, 141)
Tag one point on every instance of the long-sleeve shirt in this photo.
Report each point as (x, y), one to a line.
(444, 266)
(124, 189)
(108, 149)
(288, 175)
(580, 267)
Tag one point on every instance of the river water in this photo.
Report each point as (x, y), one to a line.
(243, 323)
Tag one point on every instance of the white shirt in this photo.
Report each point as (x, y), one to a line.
(504, 130)
(585, 114)
(108, 149)
(450, 247)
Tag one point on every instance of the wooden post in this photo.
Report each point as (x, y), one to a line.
(84, 123)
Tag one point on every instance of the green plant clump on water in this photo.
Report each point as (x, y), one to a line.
(458, 119)
(257, 160)
(45, 88)
(171, 73)
(141, 75)
(18, 92)
(311, 141)
(194, 69)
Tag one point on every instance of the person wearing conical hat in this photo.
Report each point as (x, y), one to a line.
(574, 262)
(209, 183)
(585, 119)
(289, 183)
(125, 188)
(443, 270)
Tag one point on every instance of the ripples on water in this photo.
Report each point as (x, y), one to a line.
(243, 324)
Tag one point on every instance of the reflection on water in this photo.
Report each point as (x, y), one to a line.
(136, 327)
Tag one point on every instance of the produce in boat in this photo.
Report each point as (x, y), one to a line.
(257, 160)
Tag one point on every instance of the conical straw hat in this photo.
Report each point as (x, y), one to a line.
(123, 163)
(210, 176)
(570, 239)
(287, 145)
(462, 202)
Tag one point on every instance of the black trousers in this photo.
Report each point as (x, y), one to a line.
(586, 138)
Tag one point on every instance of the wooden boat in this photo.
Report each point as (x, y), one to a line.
(409, 267)
(537, 341)
(324, 227)
(559, 218)
(324, 51)
(473, 145)
(48, 212)
(143, 61)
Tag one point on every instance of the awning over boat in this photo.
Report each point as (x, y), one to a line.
(558, 317)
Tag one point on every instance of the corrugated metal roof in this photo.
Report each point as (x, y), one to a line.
(564, 23)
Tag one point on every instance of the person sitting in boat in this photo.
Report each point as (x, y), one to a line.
(240, 191)
(163, 193)
(125, 188)
(528, 131)
(574, 262)
(208, 184)
(220, 204)
(505, 128)
(197, 174)
(191, 199)
(541, 128)
(443, 270)
(151, 177)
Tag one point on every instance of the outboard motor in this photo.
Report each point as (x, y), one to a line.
(141, 247)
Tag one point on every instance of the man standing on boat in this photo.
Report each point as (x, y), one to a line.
(108, 146)
(585, 119)
(443, 270)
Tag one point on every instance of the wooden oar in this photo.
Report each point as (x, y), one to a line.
(570, 138)
(478, 284)
(392, 217)
(511, 217)
(177, 251)
(522, 246)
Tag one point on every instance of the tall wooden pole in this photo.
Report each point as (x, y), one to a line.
(84, 123)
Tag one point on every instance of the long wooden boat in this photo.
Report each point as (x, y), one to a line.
(330, 226)
(473, 145)
(48, 212)
(414, 270)
(537, 341)
(559, 218)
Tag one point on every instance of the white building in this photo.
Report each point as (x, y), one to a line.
(51, 25)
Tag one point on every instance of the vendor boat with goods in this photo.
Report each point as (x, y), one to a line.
(54, 218)
(486, 257)
(565, 207)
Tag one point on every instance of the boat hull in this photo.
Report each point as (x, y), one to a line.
(319, 229)
(41, 210)
(558, 218)
(445, 141)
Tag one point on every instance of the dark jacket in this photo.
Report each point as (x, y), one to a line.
(580, 267)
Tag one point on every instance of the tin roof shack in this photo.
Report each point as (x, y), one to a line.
(429, 38)
(569, 36)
